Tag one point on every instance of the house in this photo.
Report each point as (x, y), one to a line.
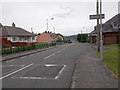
(47, 37)
(110, 31)
(15, 35)
(59, 36)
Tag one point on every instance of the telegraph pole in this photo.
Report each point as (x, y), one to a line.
(97, 27)
(101, 41)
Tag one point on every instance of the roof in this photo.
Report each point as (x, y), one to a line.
(1, 25)
(107, 26)
(14, 31)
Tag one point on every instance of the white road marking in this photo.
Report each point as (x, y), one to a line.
(12, 65)
(11, 60)
(16, 71)
(58, 52)
(60, 72)
(50, 65)
(49, 56)
(47, 65)
(31, 54)
(23, 57)
(31, 78)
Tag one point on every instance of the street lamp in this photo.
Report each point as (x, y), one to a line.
(47, 22)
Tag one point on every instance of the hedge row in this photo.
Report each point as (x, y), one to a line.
(25, 48)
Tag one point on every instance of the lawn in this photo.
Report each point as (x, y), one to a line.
(112, 45)
(111, 60)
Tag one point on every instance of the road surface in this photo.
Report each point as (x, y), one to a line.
(53, 68)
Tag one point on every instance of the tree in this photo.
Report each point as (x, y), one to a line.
(59, 39)
(39, 33)
(82, 37)
(79, 37)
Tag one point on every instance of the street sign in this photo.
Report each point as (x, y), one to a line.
(97, 16)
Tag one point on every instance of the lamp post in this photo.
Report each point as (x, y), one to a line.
(54, 29)
(47, 22)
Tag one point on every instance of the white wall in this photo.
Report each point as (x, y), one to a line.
(22, 39)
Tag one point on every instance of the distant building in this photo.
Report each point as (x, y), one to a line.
(13, 34)
(47, 37)
(110, 30)
(60, 36)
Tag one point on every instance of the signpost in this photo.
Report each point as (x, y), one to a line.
(100, 16)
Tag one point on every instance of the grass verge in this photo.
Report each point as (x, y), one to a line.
(111, 60)
(112, 45)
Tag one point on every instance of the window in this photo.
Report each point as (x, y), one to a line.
(20, 38)
(33, 38)
(114, 25)
(13, 39)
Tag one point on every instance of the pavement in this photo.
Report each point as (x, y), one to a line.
(90, 72)
(72, 65)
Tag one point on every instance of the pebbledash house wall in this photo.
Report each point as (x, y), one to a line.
(19, 39)
(44, 38)
(22, 39)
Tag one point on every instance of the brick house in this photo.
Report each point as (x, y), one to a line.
(47, 37)
(15, 35)
(111, 31)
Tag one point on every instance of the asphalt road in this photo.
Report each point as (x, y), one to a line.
(52, 68)
(56, 67)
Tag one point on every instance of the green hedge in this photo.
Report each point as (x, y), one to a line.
(25, 48)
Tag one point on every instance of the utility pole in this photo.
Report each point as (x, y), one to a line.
(97, 27)
(99, 31)
(101, 41)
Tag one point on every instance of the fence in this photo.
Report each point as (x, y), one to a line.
(25, 48)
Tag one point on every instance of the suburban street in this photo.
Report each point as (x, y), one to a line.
(54, 68)
(30, 71)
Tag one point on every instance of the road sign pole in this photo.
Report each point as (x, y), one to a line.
(97, 27)
(101, 41)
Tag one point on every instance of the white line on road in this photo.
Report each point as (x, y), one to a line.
(23, 57)
(11, 60)
(16, 71)
(60, 72)
(49, 56)
(50, 65)
(31, 54)
(31, 78)
(58, 52)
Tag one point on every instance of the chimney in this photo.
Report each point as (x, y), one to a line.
(13, 24)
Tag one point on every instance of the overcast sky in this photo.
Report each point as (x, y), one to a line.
(69, 17)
